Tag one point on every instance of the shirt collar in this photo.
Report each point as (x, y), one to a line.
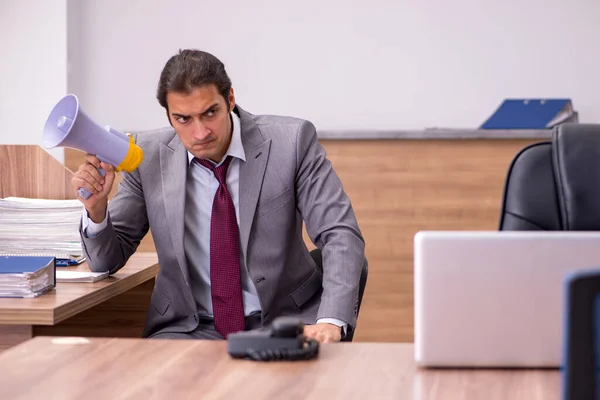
(236, 149)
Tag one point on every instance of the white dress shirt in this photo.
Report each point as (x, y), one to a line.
(200, 191)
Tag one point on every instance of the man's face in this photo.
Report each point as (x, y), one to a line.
(201, 120)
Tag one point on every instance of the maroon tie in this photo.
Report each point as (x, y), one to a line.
(225, 280)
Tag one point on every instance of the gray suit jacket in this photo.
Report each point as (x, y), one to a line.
(286, 179)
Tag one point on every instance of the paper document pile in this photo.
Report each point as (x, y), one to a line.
(41, 227)
(24, 276)
(80, 276)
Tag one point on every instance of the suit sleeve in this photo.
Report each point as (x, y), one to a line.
(331, 225)
(126, 226)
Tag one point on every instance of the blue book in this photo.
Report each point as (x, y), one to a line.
(26, 276)
(531, 114)
(62, 260)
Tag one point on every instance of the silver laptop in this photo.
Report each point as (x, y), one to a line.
(495, 298)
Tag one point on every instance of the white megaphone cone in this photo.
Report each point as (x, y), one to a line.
(69, 126)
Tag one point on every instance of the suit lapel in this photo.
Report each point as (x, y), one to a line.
(252, 172)
(174, 164)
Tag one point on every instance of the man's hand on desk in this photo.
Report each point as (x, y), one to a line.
(88, 177)
(323, 333)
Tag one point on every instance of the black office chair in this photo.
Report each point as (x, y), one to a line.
(555, 185)
(318, 259)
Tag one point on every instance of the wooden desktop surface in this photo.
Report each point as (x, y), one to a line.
(115, 306)
(102, 368)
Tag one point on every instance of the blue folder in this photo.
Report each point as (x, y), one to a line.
(23, 264)
(531, 114)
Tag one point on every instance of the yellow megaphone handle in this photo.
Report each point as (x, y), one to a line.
(133, 159)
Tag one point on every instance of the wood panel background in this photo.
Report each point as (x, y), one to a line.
(397, 188)
(29, 171)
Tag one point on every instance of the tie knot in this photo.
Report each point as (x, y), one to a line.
(220, 171)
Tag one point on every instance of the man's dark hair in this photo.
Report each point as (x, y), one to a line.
(190, 69)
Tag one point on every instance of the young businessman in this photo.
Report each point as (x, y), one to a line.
(225, 194)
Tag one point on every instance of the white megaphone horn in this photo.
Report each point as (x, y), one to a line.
(69, 126)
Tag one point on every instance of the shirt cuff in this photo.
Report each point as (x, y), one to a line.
(91, 229)
(336, 322)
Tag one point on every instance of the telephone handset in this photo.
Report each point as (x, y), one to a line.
(283, 340)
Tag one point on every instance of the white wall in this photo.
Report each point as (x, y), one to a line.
(346, 64)
(33, 67)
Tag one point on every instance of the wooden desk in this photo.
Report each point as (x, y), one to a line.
(181, 369)
(113, 307)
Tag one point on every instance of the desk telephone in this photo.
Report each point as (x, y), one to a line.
(283, 340)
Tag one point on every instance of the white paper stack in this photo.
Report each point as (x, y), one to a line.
(80, 276)
(40, 226)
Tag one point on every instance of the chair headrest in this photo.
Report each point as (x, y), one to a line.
(576, 160)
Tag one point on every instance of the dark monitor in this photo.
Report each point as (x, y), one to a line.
(581, 369)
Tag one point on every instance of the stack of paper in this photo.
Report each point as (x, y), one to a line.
(24, 276)
(80, 276)
(40, 227)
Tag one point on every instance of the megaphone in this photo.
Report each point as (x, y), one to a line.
(69, 126)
